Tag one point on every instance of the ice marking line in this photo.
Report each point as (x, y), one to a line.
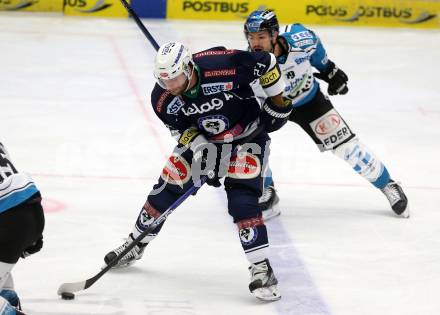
(286, 183)
(300, 294)
(135, 90)
(52, 205)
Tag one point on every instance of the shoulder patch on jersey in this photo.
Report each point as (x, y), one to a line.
(305, 42)
(270, 77)
(214, 53)
(220, 73)
(175, 105)
(161, 100)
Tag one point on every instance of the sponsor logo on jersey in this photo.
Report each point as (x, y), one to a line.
(214, 53)
(270, 77)
(187, 136)
(331, 129)
(213, 88)
(176, 171)
(220, 73)
(327, 124)
(216, 6)
(299, 61)
(175, 105)
(214, 124)
(305, 42)
(301, 35)
(244, 166)
(161, 101)
(194, 109)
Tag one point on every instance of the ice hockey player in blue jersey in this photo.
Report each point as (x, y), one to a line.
(21, 227)
(207, 103)
(299, 51)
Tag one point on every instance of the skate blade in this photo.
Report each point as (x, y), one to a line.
(405, 214)
(268, 294)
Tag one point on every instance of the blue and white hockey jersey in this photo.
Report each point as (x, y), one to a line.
(15, 187)
(305, 52)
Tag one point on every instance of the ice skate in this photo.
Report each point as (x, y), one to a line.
(268, 203)
(397, 198)
(263, 282)
(130, 258)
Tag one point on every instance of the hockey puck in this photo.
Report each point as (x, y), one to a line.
(67, 296)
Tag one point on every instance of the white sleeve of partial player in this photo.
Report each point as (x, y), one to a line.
(272, 81)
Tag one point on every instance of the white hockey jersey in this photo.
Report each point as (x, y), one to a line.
(15, 187)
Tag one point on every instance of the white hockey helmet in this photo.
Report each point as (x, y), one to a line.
(172, 60)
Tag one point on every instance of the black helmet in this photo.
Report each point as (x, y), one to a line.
(261, 20)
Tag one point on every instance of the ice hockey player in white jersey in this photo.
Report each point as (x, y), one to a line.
(21, 227)
(299, 51)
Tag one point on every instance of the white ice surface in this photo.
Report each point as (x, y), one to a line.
(75, 113)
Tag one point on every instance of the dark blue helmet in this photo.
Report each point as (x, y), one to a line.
(260, 20)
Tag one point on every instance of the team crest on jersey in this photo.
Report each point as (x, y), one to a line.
(244, 166)
(176, 171)
(248, 235)
(213, 88)
(175, 105)
(331, 129)
(214, 124)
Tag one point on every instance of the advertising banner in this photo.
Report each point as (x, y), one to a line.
(32, 5)
(101, 8)
(391, 13)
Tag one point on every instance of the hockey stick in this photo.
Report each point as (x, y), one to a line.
(140, 24)
(82, 285)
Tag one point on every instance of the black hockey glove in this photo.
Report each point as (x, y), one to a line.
(274, 117)
(336, 79)
(34, 248)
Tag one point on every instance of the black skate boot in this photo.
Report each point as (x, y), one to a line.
(263, 282)
(268, 203)
(130, 258)
(397, 198)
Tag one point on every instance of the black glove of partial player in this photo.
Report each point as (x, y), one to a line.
(336, 79)
(34, 248)
(274, 117)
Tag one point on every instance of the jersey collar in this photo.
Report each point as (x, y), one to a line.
(194, 91)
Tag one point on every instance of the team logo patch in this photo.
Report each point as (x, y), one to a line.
(214, 124)
(213, 88)
(145, 219)
(244, 166)
(248, 235)
(331, 129)
(175, 105)
(176, 171)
